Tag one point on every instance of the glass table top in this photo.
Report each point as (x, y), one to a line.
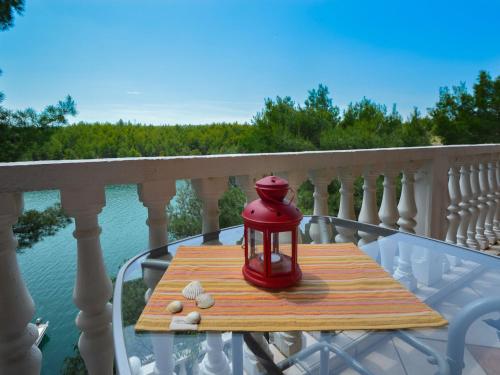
(461, 284)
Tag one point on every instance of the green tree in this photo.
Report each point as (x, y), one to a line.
(7, 10)
(23, 131)
(461, 117)
(34, 225)
(184, 215)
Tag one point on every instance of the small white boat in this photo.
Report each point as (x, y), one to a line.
(42, 328)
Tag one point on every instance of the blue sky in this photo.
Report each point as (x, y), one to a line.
(160, 61)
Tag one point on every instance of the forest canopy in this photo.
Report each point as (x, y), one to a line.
(459, 117)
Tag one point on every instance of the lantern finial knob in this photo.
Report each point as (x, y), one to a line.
(272, 188)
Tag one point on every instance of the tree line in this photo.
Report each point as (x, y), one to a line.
(458, 117)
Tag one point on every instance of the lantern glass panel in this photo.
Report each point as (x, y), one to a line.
(255, 249)
(281, 252)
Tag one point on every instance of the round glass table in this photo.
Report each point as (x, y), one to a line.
(461, 284)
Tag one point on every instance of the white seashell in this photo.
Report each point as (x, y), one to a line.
(174, 307)
(205, 301)
(193, 317)
(178, 323)
(192, 290)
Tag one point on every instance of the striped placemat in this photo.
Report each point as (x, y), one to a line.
(341, 288)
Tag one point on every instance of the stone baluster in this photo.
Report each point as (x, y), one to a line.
(472, 241)
(93, 287)
(346, 207)
(464, 206)
(163, 347)
(482, 206)
(495, 185)
(320, 179)
(496, 220)
(388, 215)
(388, 212)
(215, 361)
(135, 365)
(492, 204)
(428, 266)
(209, 190)
(18, 354)
(195, 368)
(453, 209)
(407, 208)
(251, 362)
(288, 343)
(368, 213)
(407, 211)
(155, 196)
(182, 368)
(453, 216)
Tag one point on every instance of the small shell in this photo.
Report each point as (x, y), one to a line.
(204, 301)
(174, 307)
(192, 290)
(193, 317)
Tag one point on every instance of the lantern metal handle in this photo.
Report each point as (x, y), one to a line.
(272, 199)
(290, 201)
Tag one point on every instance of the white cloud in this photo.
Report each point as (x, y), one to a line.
(134, 92)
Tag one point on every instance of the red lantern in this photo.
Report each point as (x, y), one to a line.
(267, 222)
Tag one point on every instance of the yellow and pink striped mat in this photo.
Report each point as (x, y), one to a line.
(341, 288)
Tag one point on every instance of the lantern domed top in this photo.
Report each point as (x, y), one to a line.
(272, 208)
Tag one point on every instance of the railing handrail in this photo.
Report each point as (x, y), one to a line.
(56, 174)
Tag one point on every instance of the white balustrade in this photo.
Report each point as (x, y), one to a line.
(18, 354)
(346, 205)
(407, 211)
(320, 179)
(368, 213)
(93, 287)
(474, 192)
(464, 205)
(155, 196)
(215, 361)
(209, 190)
(482, 206)
(472, 241)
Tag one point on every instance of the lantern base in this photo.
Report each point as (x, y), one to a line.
(274, 282)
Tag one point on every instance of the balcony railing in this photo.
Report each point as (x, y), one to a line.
(448, 192)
